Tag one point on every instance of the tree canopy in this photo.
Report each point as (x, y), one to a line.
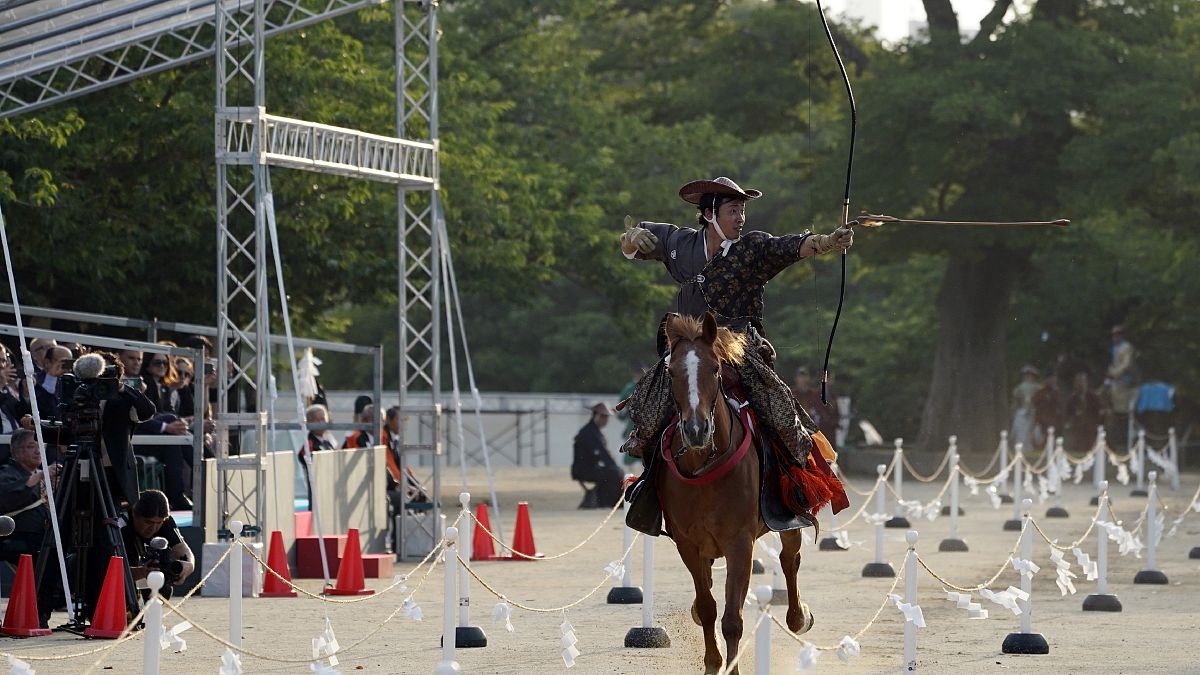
(560, 116)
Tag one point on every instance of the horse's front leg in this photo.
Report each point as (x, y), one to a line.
(704, 608)
(737, 583)
(799, 618)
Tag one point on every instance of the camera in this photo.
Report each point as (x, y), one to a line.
(79, 400)
(159, 557)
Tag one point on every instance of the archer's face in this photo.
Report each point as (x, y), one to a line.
(731, 217)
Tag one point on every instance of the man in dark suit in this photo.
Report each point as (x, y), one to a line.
(21, 488)
(594, 464)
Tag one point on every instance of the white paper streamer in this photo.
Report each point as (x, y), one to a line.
(326, 644)
(231, 663)
(842, 540)
(322, 669)
(503, 614)
(1088, 565)
(615, 569)
(911, 613)
(1006, 598)
(993, 494)
(972, 484)
(1063, 570)
(1043, 489)
(847, 648)
(411, 610)
(874, 519)
(1125, 541)
(1161, 460)
(19, 667)
(1027, 568)
(964, 601)
(808, 657)
(1122, 474)
(169, 639)
(569, 652)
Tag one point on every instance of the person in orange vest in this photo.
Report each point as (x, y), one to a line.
(364, 413)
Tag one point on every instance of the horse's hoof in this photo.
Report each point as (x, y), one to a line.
(803, 623)
(695, 614)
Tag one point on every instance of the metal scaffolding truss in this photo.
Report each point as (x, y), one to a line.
(298, 144)
(52, 50)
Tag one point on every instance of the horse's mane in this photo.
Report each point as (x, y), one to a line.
(730, 347)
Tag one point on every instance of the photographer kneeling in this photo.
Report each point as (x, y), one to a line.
(150, 520)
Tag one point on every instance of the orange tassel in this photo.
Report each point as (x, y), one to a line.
(816, 487)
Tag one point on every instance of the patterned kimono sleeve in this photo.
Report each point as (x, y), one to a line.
(775, 254)
(664, 232)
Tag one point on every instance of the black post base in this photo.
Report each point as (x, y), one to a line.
(625, 595)
(1101, 602)
(757, 567)
(1025, 643)
(953, 545)
(1057, 512)
(647, 638)
(1095, 501)
(898, 522)
(1138, 492)
(466, 637)
(829, 544)
(1005, 499)
(1194, 553)
(874, 569)
(1013, 525)
(1150, 577)
(946, 511)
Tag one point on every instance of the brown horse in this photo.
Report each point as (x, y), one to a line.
(710, 497)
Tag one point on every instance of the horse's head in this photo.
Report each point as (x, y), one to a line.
(697, 350)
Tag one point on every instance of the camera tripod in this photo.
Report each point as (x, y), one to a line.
(87, 519)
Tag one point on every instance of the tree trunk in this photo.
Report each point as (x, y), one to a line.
(968, 394)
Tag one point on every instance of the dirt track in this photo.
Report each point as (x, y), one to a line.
(1156, 633)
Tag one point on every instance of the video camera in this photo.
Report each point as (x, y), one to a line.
(159, 557)
(79, 400)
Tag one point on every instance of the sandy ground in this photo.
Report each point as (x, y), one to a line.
(1156, 633)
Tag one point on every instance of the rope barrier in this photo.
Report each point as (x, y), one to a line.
(990, 464)
(846, 483)
(988, 481)
(857, 636)
(861, 509)
(1081, 539)
(466, 565)
(126, 635)
(931, 477)
(965, 589)
(341, 650)
(569, 551)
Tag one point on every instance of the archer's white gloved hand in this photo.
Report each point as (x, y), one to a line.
(838, 240)
(639, 237)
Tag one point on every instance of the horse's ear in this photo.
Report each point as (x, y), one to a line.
(665, 332)
(710, 327)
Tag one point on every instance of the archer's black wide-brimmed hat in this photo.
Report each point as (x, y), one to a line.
(693, 191)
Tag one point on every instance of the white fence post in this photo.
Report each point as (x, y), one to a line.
(953, 543)
(448, 665)
(1152, 575)
(1027, 641)
(1101, 600)
(898, 520)
(879, 568)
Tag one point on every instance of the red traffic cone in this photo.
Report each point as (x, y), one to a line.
(350, 573)
(273, 586)
(21, 619)
(108, 621)
(523, 535)
(481, 543)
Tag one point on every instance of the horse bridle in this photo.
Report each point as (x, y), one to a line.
(712, 414)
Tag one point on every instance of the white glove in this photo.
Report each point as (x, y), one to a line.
(639, 237)
(839, 240)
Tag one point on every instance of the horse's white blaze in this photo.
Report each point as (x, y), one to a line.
(693, 372)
